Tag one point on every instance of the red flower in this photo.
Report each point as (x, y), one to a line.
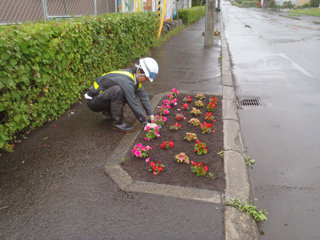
(185, 106)
(159, 168)
(163, 145)
(152, 164)
(171, 144)
(154, 168)
(193, 163)
(205, 168)
(158, 162)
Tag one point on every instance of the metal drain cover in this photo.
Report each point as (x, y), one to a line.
(249, 102)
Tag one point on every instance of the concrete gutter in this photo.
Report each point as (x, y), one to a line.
(238, 225)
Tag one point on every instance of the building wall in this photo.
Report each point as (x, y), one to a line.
(301, 2)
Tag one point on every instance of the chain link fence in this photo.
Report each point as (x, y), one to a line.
(18, 11)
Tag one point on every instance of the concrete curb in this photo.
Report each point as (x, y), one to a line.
(238, 225)
(126, 183)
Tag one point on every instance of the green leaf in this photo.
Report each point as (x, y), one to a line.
(4, 137)
(17, 117)
(25, 50)
(5, 56)
(16, 95)
(2, 142)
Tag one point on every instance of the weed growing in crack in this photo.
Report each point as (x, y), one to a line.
(249, 161)
(259, 215)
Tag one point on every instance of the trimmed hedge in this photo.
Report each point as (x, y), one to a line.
(46, 66)
(191, 15)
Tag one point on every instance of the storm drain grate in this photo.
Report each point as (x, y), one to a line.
(249, 102)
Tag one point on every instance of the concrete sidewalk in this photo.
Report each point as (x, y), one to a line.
(53, 185)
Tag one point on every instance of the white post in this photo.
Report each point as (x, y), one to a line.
(45, 11)
(209, 29)
(95, 7)
(116, 6)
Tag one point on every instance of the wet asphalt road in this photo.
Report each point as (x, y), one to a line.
(276, 60)
(53, 186)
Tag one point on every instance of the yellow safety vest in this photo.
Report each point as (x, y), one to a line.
(129, 74)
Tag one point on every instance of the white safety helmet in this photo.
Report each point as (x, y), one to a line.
(150, 67)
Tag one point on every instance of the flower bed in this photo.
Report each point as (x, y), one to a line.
(177, 171)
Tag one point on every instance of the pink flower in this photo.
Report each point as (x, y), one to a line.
(146, 128)
(148, 159)
(148, 139)
(138, 145)
(138, 154)
(164, 119)
(149, 147)
(165, 111)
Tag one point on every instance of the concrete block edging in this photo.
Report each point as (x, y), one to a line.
(238, 225)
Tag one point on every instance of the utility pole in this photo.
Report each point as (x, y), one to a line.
(210, 19)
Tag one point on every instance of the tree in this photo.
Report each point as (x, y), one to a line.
(314, 3)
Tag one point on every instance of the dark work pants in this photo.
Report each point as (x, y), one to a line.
(102, 102)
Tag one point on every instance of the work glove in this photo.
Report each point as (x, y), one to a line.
(151, 125)
(151, 118)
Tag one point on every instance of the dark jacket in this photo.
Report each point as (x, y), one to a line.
(131, 90)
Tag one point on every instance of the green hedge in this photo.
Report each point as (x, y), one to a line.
(46, 66)
(191, 15)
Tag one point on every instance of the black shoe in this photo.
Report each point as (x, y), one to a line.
(123, 127)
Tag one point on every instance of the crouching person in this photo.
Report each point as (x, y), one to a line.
(110, 92)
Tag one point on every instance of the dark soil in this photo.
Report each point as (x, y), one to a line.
(175, 173)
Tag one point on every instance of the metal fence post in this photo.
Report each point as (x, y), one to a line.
(45, 11)
(95, 7)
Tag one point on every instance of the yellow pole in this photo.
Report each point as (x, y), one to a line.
(162, 16)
